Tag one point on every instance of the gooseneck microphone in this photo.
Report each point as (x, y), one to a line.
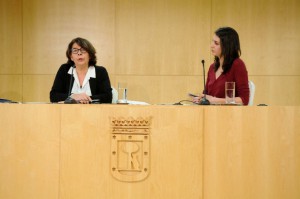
(204, 101)
(70, 100)
(71, 81)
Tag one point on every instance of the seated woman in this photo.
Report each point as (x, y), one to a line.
(80, 79)
(227, 67)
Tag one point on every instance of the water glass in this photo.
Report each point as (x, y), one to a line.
(230, 92)
(122, 93)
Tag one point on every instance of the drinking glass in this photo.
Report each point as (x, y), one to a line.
(230, 92)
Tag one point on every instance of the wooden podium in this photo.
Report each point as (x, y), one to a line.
(52, 151)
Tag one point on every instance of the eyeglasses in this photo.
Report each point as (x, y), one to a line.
(76, 50)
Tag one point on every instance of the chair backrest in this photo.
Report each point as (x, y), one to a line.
(114, 95)
(252, 92)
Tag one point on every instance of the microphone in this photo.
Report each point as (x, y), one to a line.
(204, 101)
(70, 100)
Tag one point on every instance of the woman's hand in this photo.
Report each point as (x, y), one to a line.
(197, 99)
(211, 99)
(215, 100)
(82, 98)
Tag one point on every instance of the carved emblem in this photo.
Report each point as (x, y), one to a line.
(130, 144)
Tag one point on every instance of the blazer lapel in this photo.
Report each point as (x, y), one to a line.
(92, 82)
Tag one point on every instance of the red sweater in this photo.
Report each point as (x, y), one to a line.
(237, 73)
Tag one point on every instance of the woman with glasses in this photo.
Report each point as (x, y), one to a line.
(227, 67)
(80, 80)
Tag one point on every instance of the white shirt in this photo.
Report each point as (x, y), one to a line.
(91, 73)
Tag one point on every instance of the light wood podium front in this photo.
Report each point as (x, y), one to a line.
(51, 151)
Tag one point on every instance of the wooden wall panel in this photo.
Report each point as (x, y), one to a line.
(49, 26)
(251, 152)
(11, 37)
(269, 33)
(85, 153)
(161, 37)
(11, 87)
(29, 151)
(277, 90)
(36, 88)
(142, 40)
(161, 89)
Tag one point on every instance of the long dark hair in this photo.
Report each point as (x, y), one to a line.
(230, 46)
(86, 45)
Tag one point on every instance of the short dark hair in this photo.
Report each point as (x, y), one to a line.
(86, 45)
(230, 46)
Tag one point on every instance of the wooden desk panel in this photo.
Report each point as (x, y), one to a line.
(29, 151)
(52, 151)
(252, 152)
(175, 153)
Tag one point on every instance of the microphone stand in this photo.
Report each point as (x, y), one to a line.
(70, 100)
(204, 101)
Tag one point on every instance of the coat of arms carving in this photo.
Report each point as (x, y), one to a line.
(130, 148)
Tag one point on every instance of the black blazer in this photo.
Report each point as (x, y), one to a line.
(100, 86)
